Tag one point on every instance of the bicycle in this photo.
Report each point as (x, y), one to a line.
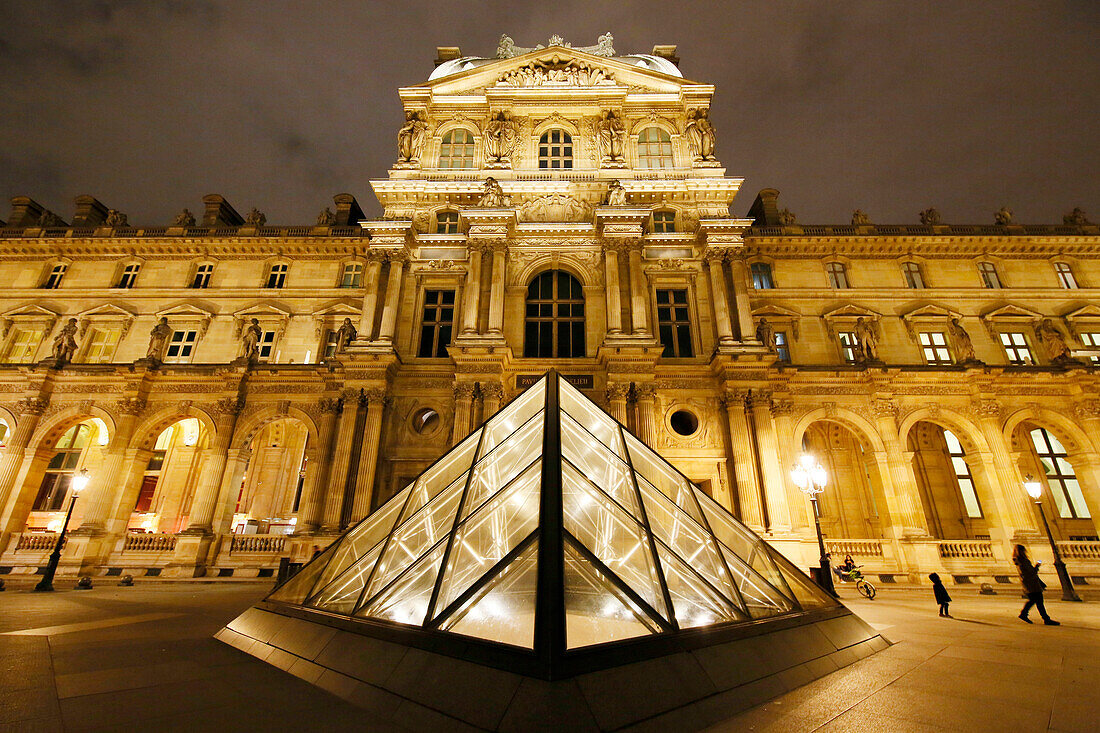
(863, 586)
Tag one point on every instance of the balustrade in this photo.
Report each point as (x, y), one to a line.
(1080, 550)
(38, 541)
(149, 542)
(258, 543)
(966, 549)
(855, 548)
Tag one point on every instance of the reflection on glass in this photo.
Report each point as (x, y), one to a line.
(297, 588)
(368, 533)
(695, 603)
(595, 420)
(504, 610)
(441, 475)
(407, 600)
(760, 598)
(519, 411)
(660, 474)
(596, 611)
(598, 464)
(499, 467)
(342, 594)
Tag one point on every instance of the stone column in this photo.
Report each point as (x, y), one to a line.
(496, 293)
(341, 462)
(647, 405)
(236, 466)
(899, 484)
(1016, 516)
(103, 488)
(464, 400)
(311, 508)
(393, 297)
(210, 486)
(491, 395)
(749, 500)
(739, 275)
(617, 392)
(368, 457)
(370, 296)
(130, 479)
(719, 297)
(29, 412)
(471, 294)
(614, 300)
(639, 294)
(775, 492)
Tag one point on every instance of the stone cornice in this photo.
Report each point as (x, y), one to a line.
(960, 247)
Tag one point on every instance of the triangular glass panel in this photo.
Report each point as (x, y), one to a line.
(596, 612)
(512, 416)
(441, 474)
(599, 464)
(406, 601)
(663, 476)
(728, 530)
(361, 538)
(695, 602)
(496, 469)
(504, 609)
(595, 420)
(805, 591)
(614, 538)
(298, 588)
(343, 594)
(760, 597)
(487, 536)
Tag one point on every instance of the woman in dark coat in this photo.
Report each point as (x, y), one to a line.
(1033, 586)
(942, 597)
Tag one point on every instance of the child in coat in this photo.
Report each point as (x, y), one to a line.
(941, 594)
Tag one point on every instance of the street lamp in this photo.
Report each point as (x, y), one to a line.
(79, 481)
(810, 477)
(1035, 491)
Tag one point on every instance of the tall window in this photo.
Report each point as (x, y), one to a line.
(1016, 348)
(180, 347)
(837, 274)
(762, 276)
(129, 275)
(1092, 340)
(54, 488)
(24, 345)
(674, 323)
(353, 275)
(57, 274)
(267, 344)
(934, 346)
(555, 149)
(202, 276)
(446, 222)
(654, 148)
(782, 347)
(1065, 275)
(101, 345)
(437, 324)
(555, 316)
(1061, 479)
(332, 342)
(963, 477)
(276, 276)
(664, 222)
(914, 278)
(847, 341)
(457, 149)
(990, 279)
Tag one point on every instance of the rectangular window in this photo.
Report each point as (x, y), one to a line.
(762, 276)
(1092, 341)
(990, 279)
(1061, 478)
(101, 345)
(23, 345)
(963, 477)
(446, 222)
(934, 346)
(437, 324)
(674, 323)
(202, 276)
(180, 347)
(353, 275)
(837, 274)
(1065, 275)
(914, 278)
(57, 274)
(129, 276)
(1016, 348)
(782, 347)
(847, 346)
(276, 276)
(267, 343)
(664, 222)
(332, 342)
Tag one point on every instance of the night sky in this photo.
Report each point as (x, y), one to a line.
(887, 106)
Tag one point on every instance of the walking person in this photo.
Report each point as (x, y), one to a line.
(1033, 585)
(941, 594)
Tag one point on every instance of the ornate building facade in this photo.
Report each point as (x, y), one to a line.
(239, 392)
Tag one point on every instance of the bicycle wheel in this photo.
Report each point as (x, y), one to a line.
(866, 589)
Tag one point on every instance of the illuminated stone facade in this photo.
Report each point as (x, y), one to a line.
(551, 207)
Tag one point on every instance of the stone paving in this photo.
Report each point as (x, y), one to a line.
(121, 658)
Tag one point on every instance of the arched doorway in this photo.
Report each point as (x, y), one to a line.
(270, 492)
(853, 505)
(946, 468)
(64, 453)
(170, 478)
(1052, 456)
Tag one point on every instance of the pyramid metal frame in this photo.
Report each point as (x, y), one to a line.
(550, 656)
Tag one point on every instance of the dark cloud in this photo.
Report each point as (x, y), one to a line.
(886, 106)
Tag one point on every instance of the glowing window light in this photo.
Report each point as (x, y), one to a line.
(190, 428)
(101, 434)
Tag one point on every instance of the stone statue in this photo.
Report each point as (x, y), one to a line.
(345, 335)
(326, 218)
(616, 194)
(185, 219)
(64, 343)
(930, 217)
(765, 334)
(255, 218)
(158, 338)
(50, 219)
(964, 347)
(250, 341)
(787, 218)
(1004, 216)
(501, 134)
(700, 134)
(116, 218)
(493, 196)
(860, 218)
(1076, 218)
(610, 131)
(1054, 342)
(866, 340)
(410, 138)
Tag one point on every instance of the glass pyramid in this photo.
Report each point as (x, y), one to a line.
(551, 529)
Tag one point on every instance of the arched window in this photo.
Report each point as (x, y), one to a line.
(59, 473)
(555, 316)
(555, 149)
(1061, 478)
(654, 148)
(457, 149)
(963, 477)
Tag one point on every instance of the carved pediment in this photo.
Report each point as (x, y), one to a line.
(852, 311)
(333, 314)
(778, 315)
(1012, 312)
(555, 207)
(30, 315)
(30, 311)
(557, 72)
(1087, 312)
(108, 313)
(930, 311)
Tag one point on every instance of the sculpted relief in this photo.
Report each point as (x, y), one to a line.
(567, 73)
(501, 138)
(555, 207)
(410, 138)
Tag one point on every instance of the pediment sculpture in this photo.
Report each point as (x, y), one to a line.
(555, 207)
(566, 73)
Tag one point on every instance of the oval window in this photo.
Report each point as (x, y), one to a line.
(684, 422)
(425, 420)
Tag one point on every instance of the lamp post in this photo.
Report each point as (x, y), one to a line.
(810, 477)
(79, 481)
(1035, 491)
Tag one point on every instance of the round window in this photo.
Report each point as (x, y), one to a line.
(684, 422)
(425, 421)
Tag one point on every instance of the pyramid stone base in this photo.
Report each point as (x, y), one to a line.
(689, 689)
